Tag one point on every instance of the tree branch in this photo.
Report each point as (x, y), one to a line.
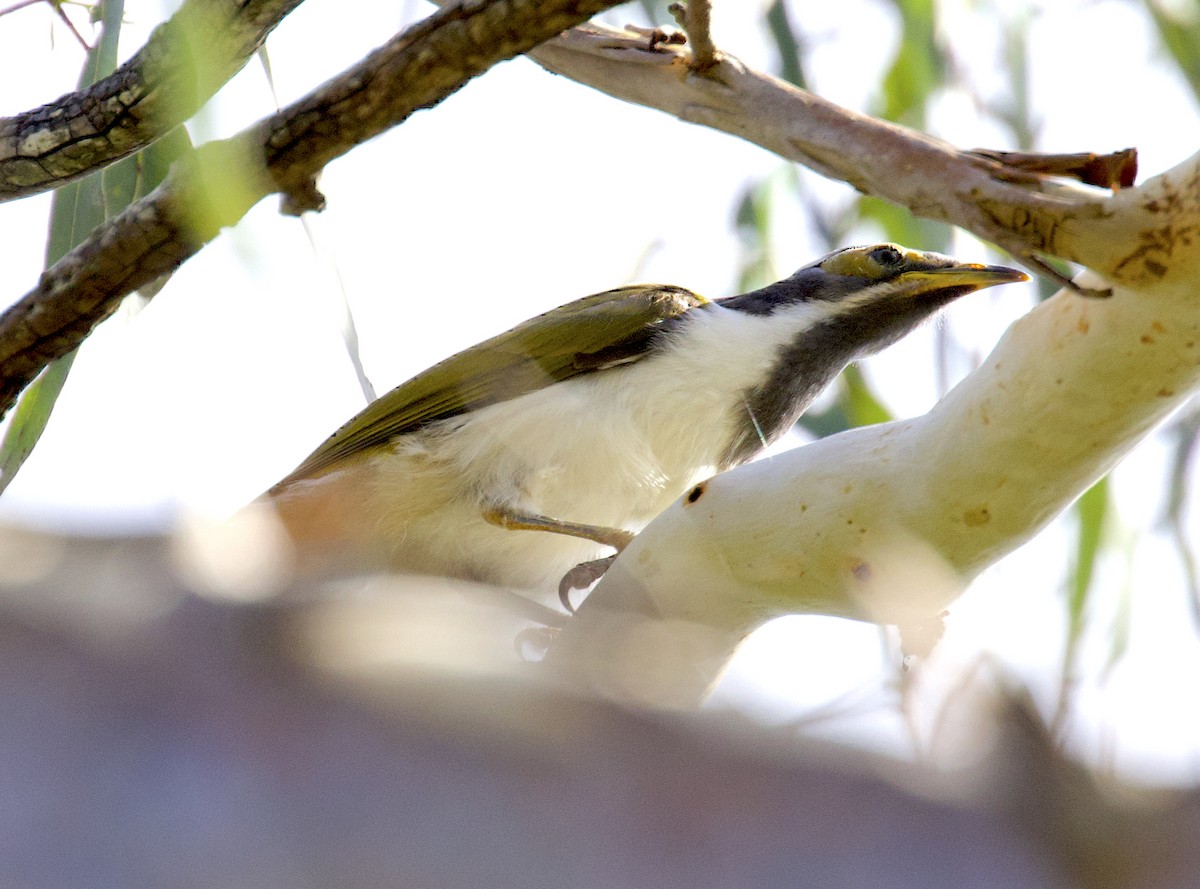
(186, 60)
(694, 17)
(1024, 212)
(890, 523)
(284, 153)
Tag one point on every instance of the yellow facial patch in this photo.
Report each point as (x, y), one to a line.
(874, 262)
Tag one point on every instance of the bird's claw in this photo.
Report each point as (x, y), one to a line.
(581, 577)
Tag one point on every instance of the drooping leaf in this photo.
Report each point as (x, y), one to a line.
(783, 34)
(1186, 432)
(753, 221)
(918, 68)
(1122, 623)
(76, 209)
(830, 421)
(1179, 27)
(863, 407)
(1016, 109)
(901, 226)
(1091, 512)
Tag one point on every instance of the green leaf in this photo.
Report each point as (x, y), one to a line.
(791, 66)
(1091, 511)
(918, 68)
(856, 405)
(862, 406)
(653, 10)
(76, 209)
(1186, 432)
(831, 421)
(899, 225)
(30, 417)
(1119, 632)
(1017, 112)
(753, 219)
(1179, 27)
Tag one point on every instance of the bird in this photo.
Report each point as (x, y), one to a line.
(526, 460)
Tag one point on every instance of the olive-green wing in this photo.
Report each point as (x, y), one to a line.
(599, 331)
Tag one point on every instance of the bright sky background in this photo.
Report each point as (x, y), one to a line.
(524, 191)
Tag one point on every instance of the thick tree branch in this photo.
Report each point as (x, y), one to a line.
(283, 153)
(186, 60)
(890, 523)
(1023, 212)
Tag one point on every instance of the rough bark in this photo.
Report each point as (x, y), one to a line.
(186, 60)
(283, 153)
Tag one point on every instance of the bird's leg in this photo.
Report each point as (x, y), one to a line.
(582, 575)
(617, 538)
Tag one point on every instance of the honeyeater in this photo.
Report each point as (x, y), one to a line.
(545, 447)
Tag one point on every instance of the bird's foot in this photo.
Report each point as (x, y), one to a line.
(581, 577)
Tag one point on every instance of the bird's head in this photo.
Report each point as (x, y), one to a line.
(845, 306)
(861, 299)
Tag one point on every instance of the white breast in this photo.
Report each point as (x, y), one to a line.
(612, 448)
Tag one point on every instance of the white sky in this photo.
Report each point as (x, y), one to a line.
(524, 191)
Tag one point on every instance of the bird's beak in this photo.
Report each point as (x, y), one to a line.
(967, 276)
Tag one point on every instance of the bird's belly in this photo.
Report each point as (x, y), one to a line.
(570, 453)
(605, 460)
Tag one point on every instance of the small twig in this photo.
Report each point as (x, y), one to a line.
(1114, 170)
(58, 9)
(1036, 264)
(21, 5)
(694, 18)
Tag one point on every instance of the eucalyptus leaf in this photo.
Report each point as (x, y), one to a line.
(1179, 34)
(1091, 513)
(787, 45)
(918, 68)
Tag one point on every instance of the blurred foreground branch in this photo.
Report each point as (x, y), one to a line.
(150, 734)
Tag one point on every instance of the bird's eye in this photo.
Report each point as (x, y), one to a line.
(887, 256)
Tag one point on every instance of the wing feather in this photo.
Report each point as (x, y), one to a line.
(590, 334)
